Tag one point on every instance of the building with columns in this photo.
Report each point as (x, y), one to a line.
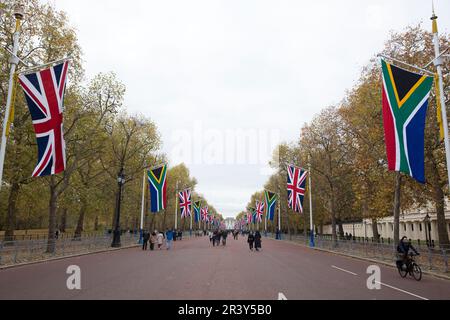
(412, 225)
(229, 223)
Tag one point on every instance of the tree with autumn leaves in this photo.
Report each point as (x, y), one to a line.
(345, 146)
(101, 138)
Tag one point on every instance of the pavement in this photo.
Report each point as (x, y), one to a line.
(194, 270)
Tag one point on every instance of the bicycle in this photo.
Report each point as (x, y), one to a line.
(411, 268)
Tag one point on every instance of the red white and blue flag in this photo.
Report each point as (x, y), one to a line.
(185, 203)
(296, 187)
(259, 210)
(249, 218)
(204, 213)
(44, 93)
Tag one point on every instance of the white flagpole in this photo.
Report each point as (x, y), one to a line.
(438, 63)
(176, 207)
(311, 241)
(14, 61)
(279, 216)
(142, 209)
(190, 230)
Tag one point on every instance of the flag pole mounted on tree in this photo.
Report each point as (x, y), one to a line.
(14, 61)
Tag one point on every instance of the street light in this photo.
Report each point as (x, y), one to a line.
(427, 230)
(116, 235)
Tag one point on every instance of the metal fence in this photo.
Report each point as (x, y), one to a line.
(22, 251)
(432, 259)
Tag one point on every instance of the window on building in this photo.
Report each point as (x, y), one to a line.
(412, 227)
(420, 227)
(404, 227)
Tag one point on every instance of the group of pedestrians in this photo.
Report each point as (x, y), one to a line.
(254, 240)
(216, 236)
(157, 239)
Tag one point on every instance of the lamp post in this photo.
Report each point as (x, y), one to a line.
(13, 61)
(116, 235)
(427, 230)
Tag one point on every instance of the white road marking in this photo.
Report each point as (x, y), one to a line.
(344, 270)
(412, 294)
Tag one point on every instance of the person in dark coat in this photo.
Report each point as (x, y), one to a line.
(146, 237)
(257, 240)
(251, 240)
(224, 237)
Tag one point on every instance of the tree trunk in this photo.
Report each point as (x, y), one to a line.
(397, 198)
(341, 228)
(333, 218)
(439, 203)
(80, 223)
(11, 216)
(63, 220)
(96, 223)
(376, 235)
(51, 243)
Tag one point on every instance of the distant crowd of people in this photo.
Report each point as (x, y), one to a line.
(218, 237)
(157, 238)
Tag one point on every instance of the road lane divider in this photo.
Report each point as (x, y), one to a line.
(352, 273)
(404, 291)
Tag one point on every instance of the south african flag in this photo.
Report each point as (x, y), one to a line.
(405, 103)
(157, 182)
(197, 209)
(271, 202)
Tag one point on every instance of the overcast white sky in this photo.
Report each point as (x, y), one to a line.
(211, 73)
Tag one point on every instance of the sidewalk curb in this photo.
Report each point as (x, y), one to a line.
(66, 257)
(392, 265)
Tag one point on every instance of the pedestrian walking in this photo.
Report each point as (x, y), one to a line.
(251, 240)
(153, 240)
(224, 238)
(257, 241)
(145, 238)
(169, 238)
(214, 237)
(160, 240)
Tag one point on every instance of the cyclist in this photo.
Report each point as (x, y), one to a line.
(403, 251)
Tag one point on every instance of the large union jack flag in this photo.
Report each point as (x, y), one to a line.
(185, 203)
(296, 187)
(259, 210)
(44, 92)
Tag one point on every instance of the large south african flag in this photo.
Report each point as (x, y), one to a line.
(157, 182)
(405, 103)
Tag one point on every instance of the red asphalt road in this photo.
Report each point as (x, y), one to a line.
(194, 270)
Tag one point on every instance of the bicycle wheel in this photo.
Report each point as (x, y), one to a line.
(403, 272)
(416, 272)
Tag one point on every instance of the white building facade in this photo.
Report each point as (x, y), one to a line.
(412, 225)
(229, 223)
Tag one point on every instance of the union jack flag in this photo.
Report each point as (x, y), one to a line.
(249, 218)
(296, 186)
(185, 203)
(205, 214)
(44, 93)
(259, 210)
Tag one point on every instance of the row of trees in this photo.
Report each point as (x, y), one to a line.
(345, 146)
(101, 138)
